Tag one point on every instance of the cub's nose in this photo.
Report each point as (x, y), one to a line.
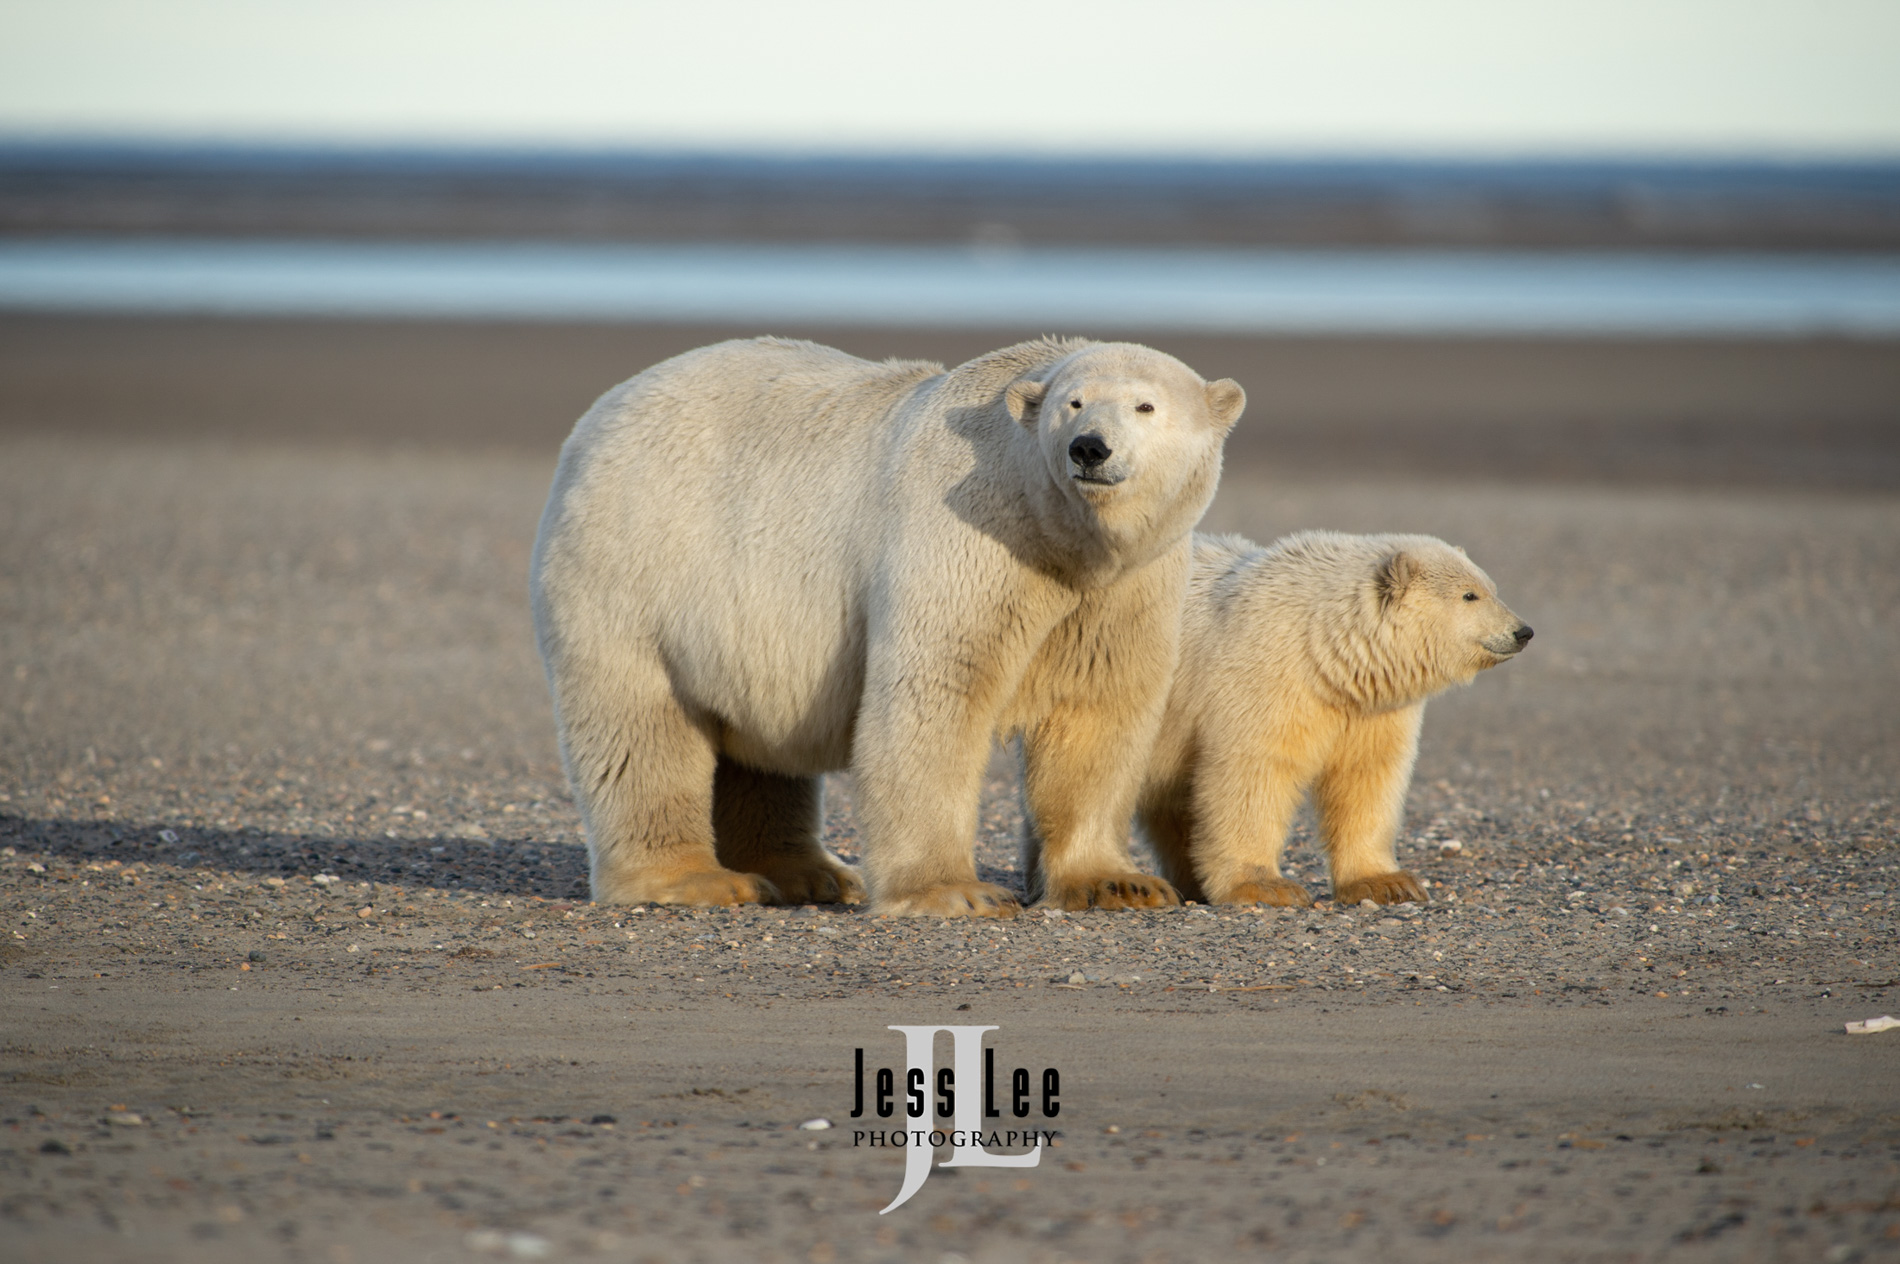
(1089, 451)
(1524, 634)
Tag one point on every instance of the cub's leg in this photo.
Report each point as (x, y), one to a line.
(642, 770)
(1166, 816)
(1244, 801)
(769, 825)
(1361, 801)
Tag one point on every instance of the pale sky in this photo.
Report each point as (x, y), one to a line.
(1188, 77)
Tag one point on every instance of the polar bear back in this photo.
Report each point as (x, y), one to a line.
(713, 506)
(742, 453)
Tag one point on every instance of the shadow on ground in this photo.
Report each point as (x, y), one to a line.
(503, 866)
(506, 866)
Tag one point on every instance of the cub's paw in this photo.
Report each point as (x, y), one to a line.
(821, 881)
(953, 899)
(1279, 892)
(1382, 888)
(705, 888)
(1111, 891)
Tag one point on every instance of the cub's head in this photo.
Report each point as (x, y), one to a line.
(1133, 434)
(1444, 611)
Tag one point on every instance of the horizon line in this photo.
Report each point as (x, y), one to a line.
(518, 149)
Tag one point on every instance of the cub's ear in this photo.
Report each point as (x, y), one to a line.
(1394, 576)
(1225, 402)
(1024, 399)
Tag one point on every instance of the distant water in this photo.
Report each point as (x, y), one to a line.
(1061, 290)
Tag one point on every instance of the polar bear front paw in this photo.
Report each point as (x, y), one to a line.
(1278, 892)
(953, 899)
(705, 888)
(1397, 887)
(1112, 891)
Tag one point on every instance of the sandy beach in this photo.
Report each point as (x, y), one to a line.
(263, 621)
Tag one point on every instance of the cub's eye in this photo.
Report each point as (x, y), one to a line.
(1471, 596)
(1144, 408)
(1075, 403)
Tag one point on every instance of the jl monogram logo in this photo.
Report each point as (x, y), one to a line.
(968, 1112)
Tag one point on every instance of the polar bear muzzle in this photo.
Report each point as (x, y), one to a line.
(1088, 453)
(1506, 645)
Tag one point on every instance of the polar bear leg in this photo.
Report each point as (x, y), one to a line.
(1080, 764)
(1167, 822)
(923, 860)
(643, 772)
(769, 825)
(1244, 801)
(921, 747)
(1097, 691)
(1360, 797)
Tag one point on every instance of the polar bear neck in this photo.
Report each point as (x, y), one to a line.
(1387, 660)
(1369, 654)
(1090, 549)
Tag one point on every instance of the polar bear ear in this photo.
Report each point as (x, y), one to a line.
(1024, 398)
(1394, 576)
(1225, 401)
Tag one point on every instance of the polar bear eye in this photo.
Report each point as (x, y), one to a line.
(1471, 596)
(1075, 403)
(1144, 408)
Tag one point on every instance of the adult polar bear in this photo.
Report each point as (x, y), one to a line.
(764, 560)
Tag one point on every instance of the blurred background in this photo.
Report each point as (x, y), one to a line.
(1633, 240)
(298, 300)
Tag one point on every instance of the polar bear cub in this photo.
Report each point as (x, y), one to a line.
(1306, 665)
(764, 560)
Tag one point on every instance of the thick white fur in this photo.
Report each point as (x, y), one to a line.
(1307, 664)
(764, 560)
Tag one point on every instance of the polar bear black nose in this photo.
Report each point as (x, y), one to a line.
(1089, 451)
(1524, 634)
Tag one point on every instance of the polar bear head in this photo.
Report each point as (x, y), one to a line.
(1129, 432)
(1441, 613)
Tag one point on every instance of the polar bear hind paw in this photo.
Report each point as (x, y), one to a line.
(1112, 891)
(702, 888)
(1398, 887)
(953, 899)
(1277, 892)
(821, 882)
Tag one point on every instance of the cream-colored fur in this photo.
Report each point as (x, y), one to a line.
(764, 560)
(1306, 665)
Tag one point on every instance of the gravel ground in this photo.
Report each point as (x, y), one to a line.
(299, 963)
